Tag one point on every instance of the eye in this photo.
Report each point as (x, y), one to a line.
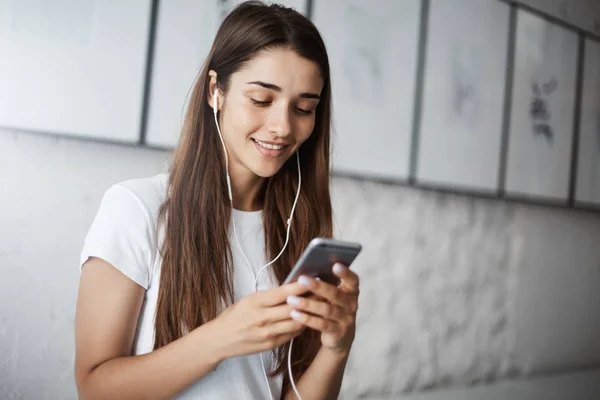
(259, 103)
(299, 110)
(302, 111)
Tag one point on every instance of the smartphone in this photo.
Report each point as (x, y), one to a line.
(320, 255)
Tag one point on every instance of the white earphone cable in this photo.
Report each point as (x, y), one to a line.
(287, 236)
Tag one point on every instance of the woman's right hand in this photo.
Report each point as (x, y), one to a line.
(258, 322)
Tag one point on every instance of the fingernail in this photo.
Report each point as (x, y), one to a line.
(304, 280)
(338, 268)
(293, 300)
(296, 314)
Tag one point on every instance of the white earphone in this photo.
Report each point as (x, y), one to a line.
(287, 236)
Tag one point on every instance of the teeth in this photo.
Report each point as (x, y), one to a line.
(269, 146)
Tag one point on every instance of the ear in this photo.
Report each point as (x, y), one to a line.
(212, 87)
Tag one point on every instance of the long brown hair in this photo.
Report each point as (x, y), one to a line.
(196, 276)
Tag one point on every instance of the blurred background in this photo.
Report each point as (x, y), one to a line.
(466, 161)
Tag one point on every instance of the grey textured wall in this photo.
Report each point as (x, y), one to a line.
(459, 290)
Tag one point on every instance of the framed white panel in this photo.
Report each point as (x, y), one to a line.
(580, 13)
(184, 34)
(373, 55)
(463, 94)
(74, 67)
(588, 172)
(540, 136)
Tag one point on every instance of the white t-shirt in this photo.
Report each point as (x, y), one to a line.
(123, 234)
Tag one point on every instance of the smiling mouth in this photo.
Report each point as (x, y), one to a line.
(270, 150)
(269, 146)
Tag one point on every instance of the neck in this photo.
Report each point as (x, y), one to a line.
(246, 188)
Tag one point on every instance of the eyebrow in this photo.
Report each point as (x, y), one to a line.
(276, 88)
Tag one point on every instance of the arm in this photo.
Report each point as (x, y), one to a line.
(323, 379)
(108, 306)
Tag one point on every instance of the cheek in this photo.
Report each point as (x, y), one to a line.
(245, 122)
(304, 129)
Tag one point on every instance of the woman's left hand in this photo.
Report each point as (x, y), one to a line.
(332, 310)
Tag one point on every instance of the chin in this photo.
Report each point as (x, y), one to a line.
(266, 167)
(266, 171)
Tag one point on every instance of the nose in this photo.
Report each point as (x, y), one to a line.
(279, 122)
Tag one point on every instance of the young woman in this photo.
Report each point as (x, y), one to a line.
(177, 297)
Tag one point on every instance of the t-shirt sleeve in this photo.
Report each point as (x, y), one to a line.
(122, 235)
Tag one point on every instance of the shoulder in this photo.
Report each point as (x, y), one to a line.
(145, 194)
(123, 231)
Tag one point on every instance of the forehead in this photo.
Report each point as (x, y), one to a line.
(281, 67)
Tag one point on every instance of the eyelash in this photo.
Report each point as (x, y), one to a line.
(301, 111)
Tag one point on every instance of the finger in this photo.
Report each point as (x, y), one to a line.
(278, 295)
(313, 296)
(317, 307)
(323, 289)
(314, 322)
(273, 314)
(286, 337)
(272, 331)
(350, 281)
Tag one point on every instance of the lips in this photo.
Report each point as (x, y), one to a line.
(270, 145)
(269, 149)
